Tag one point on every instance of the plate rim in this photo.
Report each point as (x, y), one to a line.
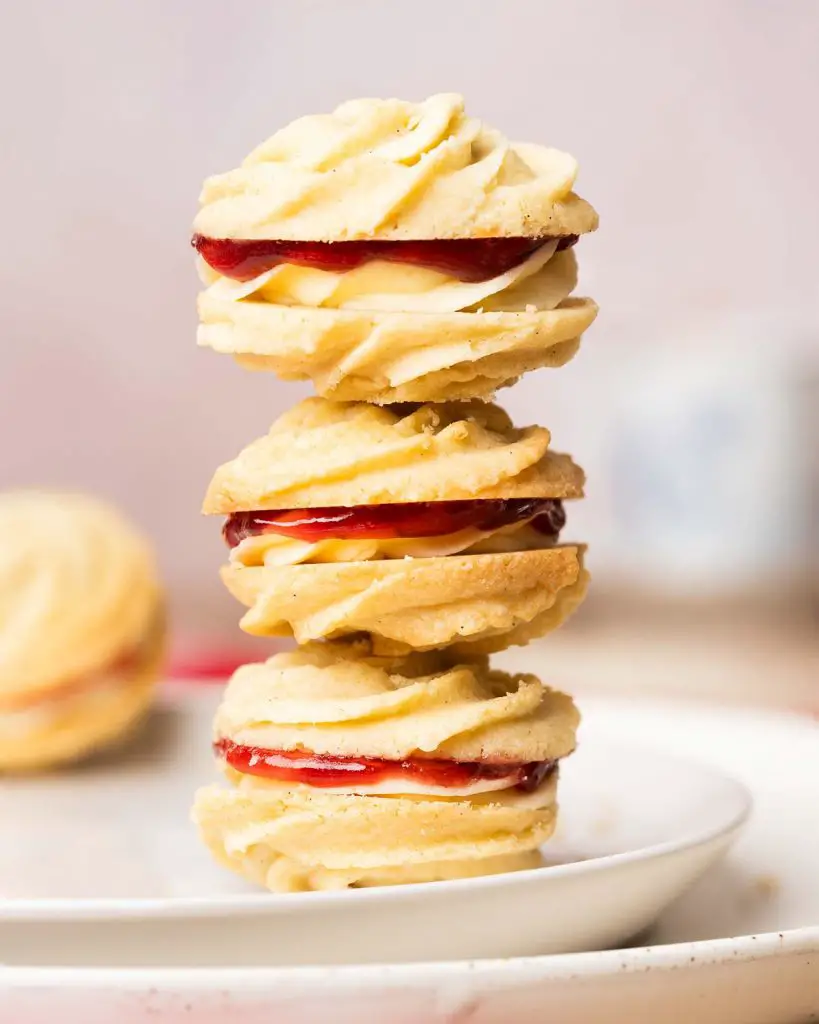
(693, 955)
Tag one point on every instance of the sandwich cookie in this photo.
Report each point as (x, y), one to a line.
(81, 628)
(394, 252)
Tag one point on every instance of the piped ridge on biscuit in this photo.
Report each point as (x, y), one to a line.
(332, 453)
(392, 169)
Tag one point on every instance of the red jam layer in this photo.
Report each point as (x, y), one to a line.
(326, 770)
(388, 522)
(127, 662)
(468, 259)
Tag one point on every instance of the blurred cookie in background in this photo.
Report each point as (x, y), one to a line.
(82, 628)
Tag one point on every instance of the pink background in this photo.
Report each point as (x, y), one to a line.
(694, 124)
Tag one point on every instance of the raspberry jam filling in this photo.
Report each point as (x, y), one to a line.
(127, 662)
(400, 520)
(468, 259)
(328, 771)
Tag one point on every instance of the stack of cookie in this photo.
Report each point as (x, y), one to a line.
(409, 261)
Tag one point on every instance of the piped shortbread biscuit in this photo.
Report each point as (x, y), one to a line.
(323, 453)
(390, 169)
(491, 600)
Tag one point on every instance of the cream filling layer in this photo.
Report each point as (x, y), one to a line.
(47, 710)
(541, 281)
(275, 549)
(388, 787)
(542, 796)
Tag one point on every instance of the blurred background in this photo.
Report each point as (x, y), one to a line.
(692, 404)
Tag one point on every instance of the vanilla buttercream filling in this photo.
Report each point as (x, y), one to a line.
(396, 786)
(91, 696)
(275, 549)
(541, 281)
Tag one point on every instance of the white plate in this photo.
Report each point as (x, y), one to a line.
(766, 890)
(637, 828)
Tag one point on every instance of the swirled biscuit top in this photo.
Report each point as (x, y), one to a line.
(78, 591)
(388, 169)
(335, 698)
(323, 453)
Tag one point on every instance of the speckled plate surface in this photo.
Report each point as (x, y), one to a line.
(766, 890)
